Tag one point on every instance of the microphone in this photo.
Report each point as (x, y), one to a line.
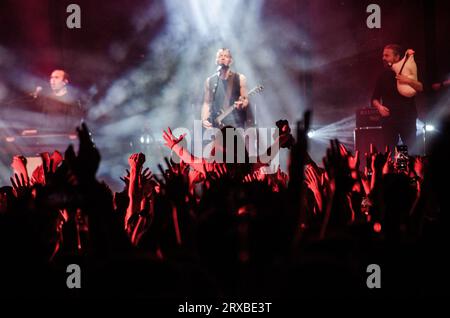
(221, 67)
(36, 92)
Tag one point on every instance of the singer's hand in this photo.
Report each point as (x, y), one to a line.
(241, 103)
(36, 92)
(384, 111)
(206, 124)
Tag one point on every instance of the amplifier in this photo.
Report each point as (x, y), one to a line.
(368, 117)
(368, 135)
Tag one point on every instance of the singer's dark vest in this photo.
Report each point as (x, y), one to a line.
(238, 117)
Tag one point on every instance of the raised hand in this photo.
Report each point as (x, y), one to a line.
(379, 160)
(337, 166)
(175, 185)
(57, 158)
(250, 178)
(170, 139)
(136, 161)
(19, 165)
(126, 179)
(85, 164)
(282, 177)
(314, 182)
(37, 177)
(88, 155)
(388, 167)
(419, 166)
(21, 186)
(147, 182)
(47, 164)
(219, 170)
(45, 157)
(353, 160)
(312, 179)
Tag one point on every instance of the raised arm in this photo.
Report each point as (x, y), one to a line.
(173, 143)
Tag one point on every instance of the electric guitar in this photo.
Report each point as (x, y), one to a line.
(220, 115)
(406, 66)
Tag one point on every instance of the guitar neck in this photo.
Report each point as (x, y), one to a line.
(225, 113)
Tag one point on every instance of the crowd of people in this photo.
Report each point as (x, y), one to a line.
(207, 230)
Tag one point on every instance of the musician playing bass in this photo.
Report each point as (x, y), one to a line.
(224, 89)
(393, 96)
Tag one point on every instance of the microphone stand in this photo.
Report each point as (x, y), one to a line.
(216, 84)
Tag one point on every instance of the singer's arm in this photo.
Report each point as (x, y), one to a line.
(377, 98)
(414, 83)
(243, 91)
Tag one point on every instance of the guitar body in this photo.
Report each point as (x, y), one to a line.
(409, 70)
(219, 116)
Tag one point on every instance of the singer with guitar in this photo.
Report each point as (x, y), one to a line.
(394, 96)
(224, 89)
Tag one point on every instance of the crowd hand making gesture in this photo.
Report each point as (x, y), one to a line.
(170, 139)
(21, 186)
(380, 165)
(172, 206)
(19, 166)
(175, 183)
(353, 160)
(84, 164)
(337, 165)
(316, 183)
(216, 171)
(340, 185)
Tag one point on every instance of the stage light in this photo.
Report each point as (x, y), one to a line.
(429, 128)
(342, 130)
(422, 127)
